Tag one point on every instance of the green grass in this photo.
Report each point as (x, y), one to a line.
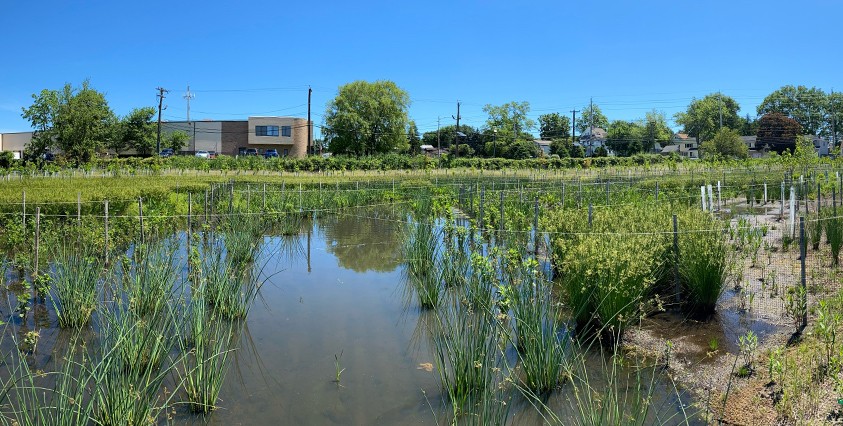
(228, 287)
(421, 253)
(834, 234)
(208, 345)
(704, 267)
(75, 276)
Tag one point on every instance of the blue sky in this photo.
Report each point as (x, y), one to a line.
(258, 58)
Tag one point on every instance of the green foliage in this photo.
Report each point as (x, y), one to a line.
(75, 276)
(702, 118)
(807, 106)
(625, 138)
(726, 143)
(554, 126)
(704, 262)
(137, 131)
(77, 121)
(367, 118)
(833, 225)
(591, 115)
(421, 253)
(176, 140)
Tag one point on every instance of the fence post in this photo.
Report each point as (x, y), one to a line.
(480, 218)
(765, 192)
(792, 211)
(189, 215)
(607, 193)
(24, 209)
(702, 196)
(106, 232)
(719, 201)
(140, 217)
(231, 198)
(501, 218)
(263, 206)
(676, 286)
(781, 210)
(657, 190)
(563, 195)
(536, 227)
(78, 207)
(37, 239)
(803, 253)
(590, 210)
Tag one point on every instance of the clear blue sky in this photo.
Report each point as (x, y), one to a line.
(257, 58)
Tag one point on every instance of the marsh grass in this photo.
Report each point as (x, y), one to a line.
(75, 276)
(149, 277)
(465, 345)
(540, 348)
(57, 398)
(228, 287)
(135, 361)
(208, 345)
(421, 251)
(704, 267)
(243, 236)
(834, 235)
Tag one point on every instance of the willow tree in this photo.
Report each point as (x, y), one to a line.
(367, 118)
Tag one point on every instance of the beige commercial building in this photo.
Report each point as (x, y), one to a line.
(287, 135)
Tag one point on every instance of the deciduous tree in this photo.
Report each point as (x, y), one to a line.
(625, 138)
(778, 132)
(367, 118)
(702, 118)
(591, 115)
(138, 131)
(726, 143)
(554, 126)
(808, 106)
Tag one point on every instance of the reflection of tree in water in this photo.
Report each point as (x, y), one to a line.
(364, 240)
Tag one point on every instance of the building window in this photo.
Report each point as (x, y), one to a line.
(285, 131)
(266, 130)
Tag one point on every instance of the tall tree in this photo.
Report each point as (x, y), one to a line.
(625, 138)
(656, 129)
(138, 131)
(413, 138)
(591, 115)
(809, 107)
(77, 121)
(508, 119)
(703, 116)
(554, 126)
(367, 118)
(726, 143)
(778, 132)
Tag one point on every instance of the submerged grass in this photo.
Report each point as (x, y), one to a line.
(75, 276)
(228, 287)
(421, 251)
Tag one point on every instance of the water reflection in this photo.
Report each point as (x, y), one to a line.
(363, 240)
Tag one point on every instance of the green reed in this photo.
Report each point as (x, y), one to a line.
(75, 276)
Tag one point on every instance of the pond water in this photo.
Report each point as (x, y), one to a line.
(336, 291)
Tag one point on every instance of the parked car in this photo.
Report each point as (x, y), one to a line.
(251, 151)
(212, 154)
(203, 154)
(167, 152)
(270, 153)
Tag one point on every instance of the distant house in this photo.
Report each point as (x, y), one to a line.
(683, 145)
(591, 139)
(543, 145)
(820, 144)
(755, 150)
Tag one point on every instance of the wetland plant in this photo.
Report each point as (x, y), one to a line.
(467, 357)
(229, 288)
(834, 235)
(243, 235)
(149, 277)
(421, 251)
(540, 348)
(207, 346)
(704, 266)
(75, 276)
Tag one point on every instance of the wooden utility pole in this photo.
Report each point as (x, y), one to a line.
(309, 126)
(574, 126)
(161, 92)
(457, 132)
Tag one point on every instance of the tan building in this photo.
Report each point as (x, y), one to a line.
(287, 135)
(684, 145)
(15, 142)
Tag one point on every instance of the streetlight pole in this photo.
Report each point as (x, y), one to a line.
(495, 143)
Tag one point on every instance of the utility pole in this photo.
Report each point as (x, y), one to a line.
(720, 108)
(591, 125)
(161, 92)
(457, 132)
(833, 121)
(574, 126)
(309, 126)
(187, 96)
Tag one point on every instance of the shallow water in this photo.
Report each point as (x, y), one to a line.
(337, 290)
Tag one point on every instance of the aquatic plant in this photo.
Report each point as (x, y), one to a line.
(208, 347)
(704, 266)
(148, 278)
(421, 252)
(75, 275)
(229, 288)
